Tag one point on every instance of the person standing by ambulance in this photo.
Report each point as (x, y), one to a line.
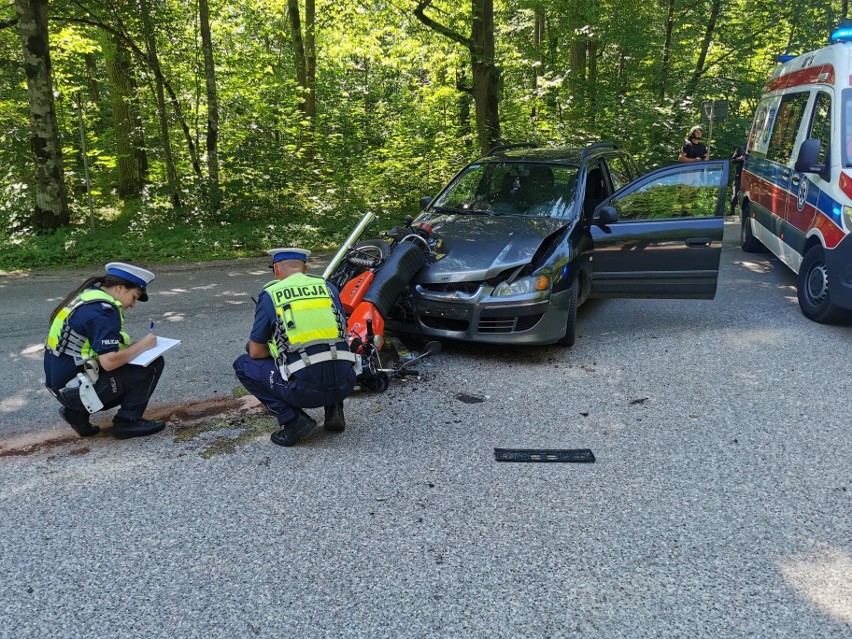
(87, 353)
(297, 355)
(738, 160)
(694, 149)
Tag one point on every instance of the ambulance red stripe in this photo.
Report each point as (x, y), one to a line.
(772, 198)
(823, 74)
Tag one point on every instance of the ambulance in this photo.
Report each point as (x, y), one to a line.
(796, 186)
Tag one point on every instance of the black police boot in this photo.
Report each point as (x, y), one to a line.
(334, 420)
(79, 421)
(294, 430)
(126, 428)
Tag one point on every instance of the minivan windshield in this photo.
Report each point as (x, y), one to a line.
(512, 188)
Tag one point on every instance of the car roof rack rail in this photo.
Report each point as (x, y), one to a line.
(597, 146)
(506, 147)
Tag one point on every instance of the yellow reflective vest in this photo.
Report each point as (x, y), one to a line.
(63, 340)
(305, 314)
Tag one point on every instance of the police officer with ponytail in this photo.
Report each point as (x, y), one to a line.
(87, 353)
(297, 353)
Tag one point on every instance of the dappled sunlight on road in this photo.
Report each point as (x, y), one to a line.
(824, 578)
(173, 317)
(260, 272)
(34, 352)
(15, 401)
(754, 267)
(96, 471)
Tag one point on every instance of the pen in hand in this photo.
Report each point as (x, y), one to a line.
(151, 328)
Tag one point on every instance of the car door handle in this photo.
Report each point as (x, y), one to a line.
(698, 242)
(796, 179)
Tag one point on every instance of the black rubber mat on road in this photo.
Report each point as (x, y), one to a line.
(576, 455)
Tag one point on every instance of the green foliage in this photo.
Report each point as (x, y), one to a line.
(392, 124)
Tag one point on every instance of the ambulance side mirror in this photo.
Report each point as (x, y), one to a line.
(808, 160)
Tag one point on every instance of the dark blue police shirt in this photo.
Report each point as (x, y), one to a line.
(100, 322)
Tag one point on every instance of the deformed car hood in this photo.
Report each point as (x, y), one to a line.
(478, 247)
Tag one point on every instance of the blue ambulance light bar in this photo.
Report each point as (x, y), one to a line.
(843, 32)
(785, 58)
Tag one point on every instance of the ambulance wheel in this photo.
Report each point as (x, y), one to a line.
(382, 382)
(570, 336)
(812, 285)
(748, 242)
(368, 254)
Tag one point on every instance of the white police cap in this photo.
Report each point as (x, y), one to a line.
(138, 276)
(289, 253)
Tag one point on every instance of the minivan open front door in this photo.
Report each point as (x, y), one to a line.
(668, 238)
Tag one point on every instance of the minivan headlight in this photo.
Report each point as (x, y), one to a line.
(523, 286)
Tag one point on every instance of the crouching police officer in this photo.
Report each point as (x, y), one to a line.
(297, 353)
(87, 353)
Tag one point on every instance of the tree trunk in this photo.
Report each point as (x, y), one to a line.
(130, 175)
(667, 51)
(692, 84)
(153, 60)
(212, 106)
(92, 77)
(465, 98)
(310, 60)
(577, 60)
(483, 62)
(304, 60)
(298, 43)
(485, 75)
(592, 103)
(51, 205)
(538, 44)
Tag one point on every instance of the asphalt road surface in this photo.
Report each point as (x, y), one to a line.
(720, 504)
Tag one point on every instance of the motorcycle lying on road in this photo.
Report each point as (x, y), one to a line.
(371, 275)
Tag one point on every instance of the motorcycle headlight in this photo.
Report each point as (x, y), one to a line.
(522, 286)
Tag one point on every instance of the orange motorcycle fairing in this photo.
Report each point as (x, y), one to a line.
(354, 290)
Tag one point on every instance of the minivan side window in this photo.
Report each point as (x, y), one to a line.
(787, 122)
(684, 193)
(619, 172)
(821, 124)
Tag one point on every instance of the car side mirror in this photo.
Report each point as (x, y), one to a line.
(808, 159)
(424, 202)
(605, 215)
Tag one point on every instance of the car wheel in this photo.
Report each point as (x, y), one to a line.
(571, 324)
(812, 285)
(748, 242)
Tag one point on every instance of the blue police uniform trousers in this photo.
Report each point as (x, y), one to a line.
(321, 384)
(129, 387)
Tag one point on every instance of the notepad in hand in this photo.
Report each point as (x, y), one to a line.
(146, 357)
